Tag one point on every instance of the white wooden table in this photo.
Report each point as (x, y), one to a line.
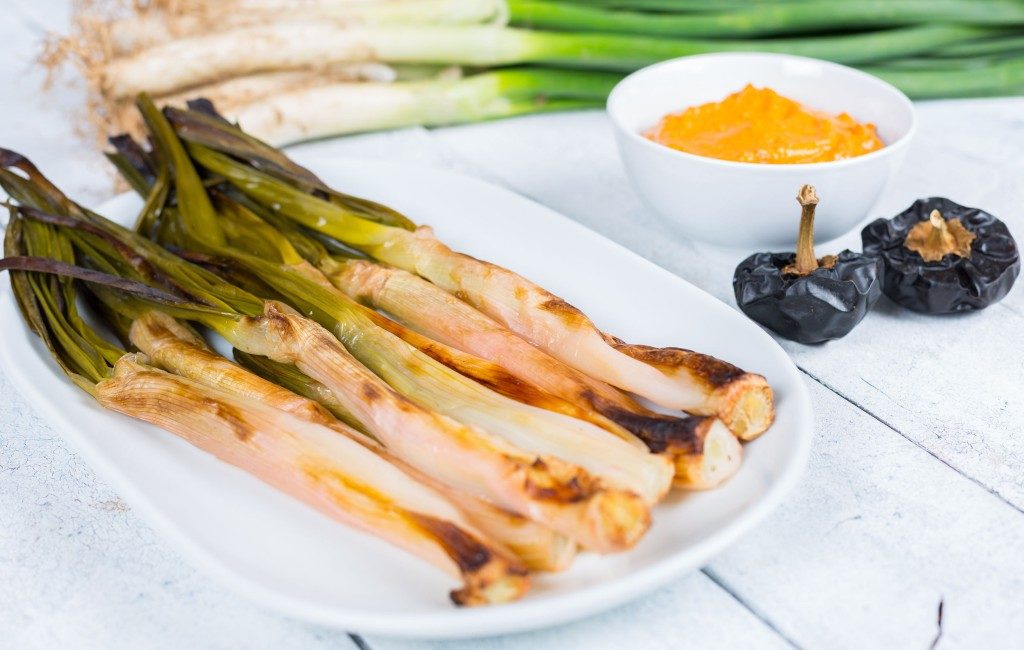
(907, 529)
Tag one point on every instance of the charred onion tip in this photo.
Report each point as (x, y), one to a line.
(11, 158)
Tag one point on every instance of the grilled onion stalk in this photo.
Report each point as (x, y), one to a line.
(313, 464)
(439, 315)
(539, 547)
(176, 348)
(606, 458)
(544, 489)
(704, 452)
(432, 385)
(411, 365)
(672, 377)
(335, 475)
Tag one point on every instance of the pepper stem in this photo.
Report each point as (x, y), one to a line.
(937, 237)
(806, 262)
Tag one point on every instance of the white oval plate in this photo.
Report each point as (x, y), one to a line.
(289, 558)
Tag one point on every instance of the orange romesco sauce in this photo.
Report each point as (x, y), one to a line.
(759, 125)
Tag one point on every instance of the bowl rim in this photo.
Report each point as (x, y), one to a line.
(614, 99)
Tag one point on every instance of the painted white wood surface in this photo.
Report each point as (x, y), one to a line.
(914, 495)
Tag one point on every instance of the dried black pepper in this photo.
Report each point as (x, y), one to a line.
(801, 297)
(941, 257)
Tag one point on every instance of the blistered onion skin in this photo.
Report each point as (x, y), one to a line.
(175, 348)
(545, 489)
(523, 307)
(312, 463)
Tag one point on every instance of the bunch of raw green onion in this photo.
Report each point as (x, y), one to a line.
(443, 403)
(289, 70)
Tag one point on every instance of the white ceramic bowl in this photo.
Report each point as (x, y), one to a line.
(752, 204)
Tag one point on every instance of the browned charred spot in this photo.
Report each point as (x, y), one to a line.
(386, 323)
(157, 329)
(484, 372)
(333, 479)
(713, 372)
(661, 432)
(310, 410)
(517, 569)
(406, 405)
(590, 396)
(563, 493)
(564, 311)
(716, 372)
(461, 295)
(496, 378)
(520, 293)
(230, 416)
(370, 392)
(279, 321)
(526, 393)
(469, 553)
(543, 485)
(507, 384)
(620, 402)
(140, 264)
(11, 158)
(743, 400)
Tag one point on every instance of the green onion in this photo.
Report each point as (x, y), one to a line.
(1004, 77)
(993, 46)
(149, 27)
(465, 458)
(193, 61)
(685, 6)
(435, 386)
(340, 108)
(766, 20)
(332, 473)
(433, 312)
(743, 402)
(203, 125)
(598, 516)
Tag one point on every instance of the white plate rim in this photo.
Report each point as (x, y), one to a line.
(521, 616)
